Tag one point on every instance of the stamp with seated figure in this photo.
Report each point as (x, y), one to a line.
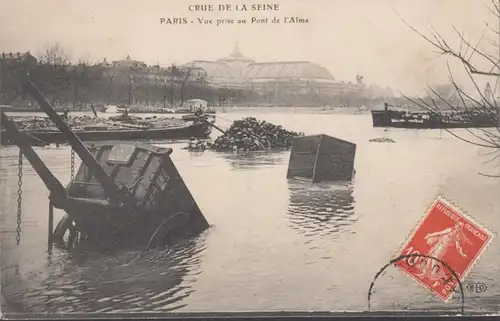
(445, 246)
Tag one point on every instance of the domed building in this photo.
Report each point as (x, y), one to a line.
(225, 72)
(237, 63)
(278, 78)
(295, 77)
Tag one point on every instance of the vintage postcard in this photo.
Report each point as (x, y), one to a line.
(211, 158)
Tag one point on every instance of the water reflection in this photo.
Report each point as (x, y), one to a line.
(153, 281)
(320, 209)
(254, 160)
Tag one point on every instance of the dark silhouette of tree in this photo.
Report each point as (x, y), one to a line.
(54, 70)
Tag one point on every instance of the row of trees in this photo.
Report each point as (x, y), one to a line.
(77, 84)
(65, 83)
(53, 73)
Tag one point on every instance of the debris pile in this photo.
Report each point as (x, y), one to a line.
(249, 134)
(381, 140)
(45, 124)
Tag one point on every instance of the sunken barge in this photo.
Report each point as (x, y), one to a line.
(123, 193)
(394, 116)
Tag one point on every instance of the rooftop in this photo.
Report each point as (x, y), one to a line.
(288, 69)
(236, 55)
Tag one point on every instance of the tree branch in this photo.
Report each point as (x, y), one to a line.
(444, 49)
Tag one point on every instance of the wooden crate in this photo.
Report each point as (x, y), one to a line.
(322, 158)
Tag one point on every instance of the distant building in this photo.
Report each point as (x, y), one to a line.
(133, 71)
(374, 91)
(196, 104)
(237, 71)
(128, 63)
(10, 63)
(15, 58)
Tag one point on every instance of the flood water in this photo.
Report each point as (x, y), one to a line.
(274, 244)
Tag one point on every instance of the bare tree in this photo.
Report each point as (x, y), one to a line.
(55, 62)
(185, 78)
(81, 79)
(175, 76)
(479, 58)
(54, 55)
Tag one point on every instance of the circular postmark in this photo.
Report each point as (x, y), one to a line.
(414, 256)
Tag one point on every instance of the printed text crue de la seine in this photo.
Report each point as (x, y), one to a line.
(253, 17)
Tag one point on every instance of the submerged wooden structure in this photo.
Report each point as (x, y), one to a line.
(321, 158)
(162, 206)
(123, 193)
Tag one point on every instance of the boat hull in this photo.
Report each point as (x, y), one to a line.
(197, 130)
(398, 120)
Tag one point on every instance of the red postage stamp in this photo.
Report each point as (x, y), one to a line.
(444, 235)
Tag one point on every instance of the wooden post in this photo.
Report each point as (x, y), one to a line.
(51, 225)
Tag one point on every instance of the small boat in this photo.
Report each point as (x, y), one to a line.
(103, 133)
(399, 117)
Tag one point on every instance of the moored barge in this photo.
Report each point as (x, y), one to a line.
(398, 117)
(186, 131)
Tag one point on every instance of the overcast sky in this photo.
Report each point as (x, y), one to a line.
(345, 36)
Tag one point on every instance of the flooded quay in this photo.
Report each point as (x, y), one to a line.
(274, 244)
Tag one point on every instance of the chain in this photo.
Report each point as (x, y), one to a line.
(19, 196)
(72, 164)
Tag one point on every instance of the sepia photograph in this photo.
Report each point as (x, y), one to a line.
(167, 158)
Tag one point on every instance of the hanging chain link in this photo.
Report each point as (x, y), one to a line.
(19, 196)
(72, 164)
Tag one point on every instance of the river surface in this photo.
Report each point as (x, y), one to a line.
(274, 244)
